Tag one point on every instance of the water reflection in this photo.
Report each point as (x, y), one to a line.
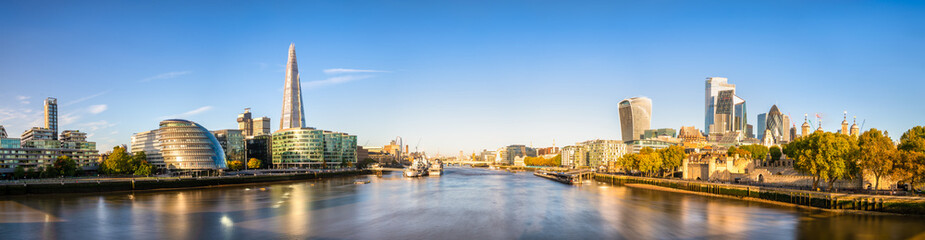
(463, 204)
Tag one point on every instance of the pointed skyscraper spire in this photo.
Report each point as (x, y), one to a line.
(293, 111)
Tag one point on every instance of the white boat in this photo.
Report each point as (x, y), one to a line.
(417, 169)
(435, 169)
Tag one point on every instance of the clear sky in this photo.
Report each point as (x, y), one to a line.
(456, 75)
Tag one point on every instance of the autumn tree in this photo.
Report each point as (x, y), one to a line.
(671, 157)
(876, 153)
(235, 165)
(825, 156)
(910, 165)
(254, 163)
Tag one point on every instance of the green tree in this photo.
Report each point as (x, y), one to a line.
(118, 162)
(254, 163)
(876, 154)
(20, 172)
(64, 166)
(775, 153)
(755, 151)
(913, 140)
(825, 156)
(365, 162)
(144, 169)
(731, 151)
(672, 157)
(235, 165)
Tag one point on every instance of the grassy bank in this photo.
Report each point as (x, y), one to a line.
(155, 184)
(823, 200)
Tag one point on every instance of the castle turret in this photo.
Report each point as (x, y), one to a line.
(855, 130)
(805, 129)
(844, 124)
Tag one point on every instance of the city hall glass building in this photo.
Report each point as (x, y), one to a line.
(187, 145)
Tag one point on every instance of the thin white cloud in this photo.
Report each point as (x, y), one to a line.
(336, 80)
(84, 99)
(347, 70)
(189, 113)
(91, 127)
(23, 99)
(167, 75)
(68, 118)
(96, 109)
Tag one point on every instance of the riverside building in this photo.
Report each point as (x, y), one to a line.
(186, 145)
(40, 146)
(295, 144)
(635, 117)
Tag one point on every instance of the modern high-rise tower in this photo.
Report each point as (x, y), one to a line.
(293, 111)
(635, 117)
(721, 101)
(51, 116)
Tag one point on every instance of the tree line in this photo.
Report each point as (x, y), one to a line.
(541, 161)
(830, 157)
(651, 162)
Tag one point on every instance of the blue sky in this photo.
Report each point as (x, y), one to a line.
(456, 75)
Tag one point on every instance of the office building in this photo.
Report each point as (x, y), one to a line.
(51, 116)
(186, 145)
(246, 123)
(661, 132)
(253, 126)
(261, 126)
(636, 145)
(232, 142)
(778, 126)
(148, 143)
(259, 147)
(762, 124)
(723, 108)
(293, 112)
(635, 117)
(312, 148)
(2, 132)
(37, 133)
(603, 152)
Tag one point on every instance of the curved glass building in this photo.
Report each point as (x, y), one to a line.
(187, 145)
(635, 117)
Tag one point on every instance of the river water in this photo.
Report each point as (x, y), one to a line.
(465, 203)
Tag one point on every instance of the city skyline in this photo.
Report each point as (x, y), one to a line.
(463, 94)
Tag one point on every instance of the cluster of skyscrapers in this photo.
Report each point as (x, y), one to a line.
(41, 146)
(185, 145)
(725, 124)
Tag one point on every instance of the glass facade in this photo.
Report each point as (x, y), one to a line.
(312, 148)
(147, 142)
(232, 142)
(188, 145)
(635, 117)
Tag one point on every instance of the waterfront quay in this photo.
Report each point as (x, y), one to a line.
(464, 203)
(821, 200)
(112, 184)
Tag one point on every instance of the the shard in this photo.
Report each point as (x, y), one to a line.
(293, 111)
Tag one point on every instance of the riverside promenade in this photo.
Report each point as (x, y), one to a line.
(114, 184)
(820, 200)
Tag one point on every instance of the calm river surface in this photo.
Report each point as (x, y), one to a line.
(465, 203)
